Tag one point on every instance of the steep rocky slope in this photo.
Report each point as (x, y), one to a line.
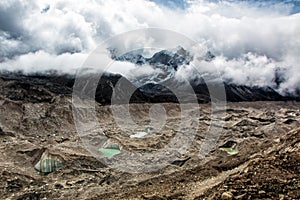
(42, 87)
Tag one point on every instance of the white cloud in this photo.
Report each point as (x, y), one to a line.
(250, 42)
(42, 61)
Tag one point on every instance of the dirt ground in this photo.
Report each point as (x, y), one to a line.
(265, 164)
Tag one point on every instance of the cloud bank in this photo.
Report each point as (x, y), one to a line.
(252, 40)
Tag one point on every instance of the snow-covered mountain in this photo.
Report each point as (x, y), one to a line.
(165, 62)
(168, 62)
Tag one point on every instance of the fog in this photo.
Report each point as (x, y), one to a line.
(252, 40)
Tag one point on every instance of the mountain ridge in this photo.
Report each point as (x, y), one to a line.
(45, 87)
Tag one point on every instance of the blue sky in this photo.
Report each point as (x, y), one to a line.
(181, 4)
(172, 3)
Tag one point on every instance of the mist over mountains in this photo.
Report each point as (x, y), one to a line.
(254, 43)
(158, 84)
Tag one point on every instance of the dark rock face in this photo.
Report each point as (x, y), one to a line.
(34, 88)
(234, 93)
(110, 87)
(244, 93)
(43, 88)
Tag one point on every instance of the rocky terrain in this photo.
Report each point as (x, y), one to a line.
(256, 156)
